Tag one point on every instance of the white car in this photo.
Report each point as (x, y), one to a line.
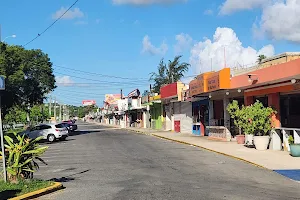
(50, 132)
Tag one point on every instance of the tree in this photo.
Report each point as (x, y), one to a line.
(29, 76)
(38, 113)
(260, 58)
(15, 115)
(168, 74)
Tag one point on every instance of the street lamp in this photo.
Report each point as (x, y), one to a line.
(11, 36)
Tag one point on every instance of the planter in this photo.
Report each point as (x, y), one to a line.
(295, 150)
(240, 139)
(261, 142)
(249, 139)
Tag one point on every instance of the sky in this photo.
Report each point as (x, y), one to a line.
(101, 47)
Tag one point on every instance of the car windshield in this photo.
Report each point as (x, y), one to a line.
(59, 126)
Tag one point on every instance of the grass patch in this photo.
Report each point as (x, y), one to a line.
(9, 190)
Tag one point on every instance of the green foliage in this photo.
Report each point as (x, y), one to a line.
(38, 113)
(236, 113)
(291, 139)
(15, 115)
(260, 58)
(29, 76)
(21, 156)
(168, 74)
(22, 187)
(253, 119)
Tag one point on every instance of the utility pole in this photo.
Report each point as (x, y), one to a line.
(55, 109)
(50, 109)
(60, 112)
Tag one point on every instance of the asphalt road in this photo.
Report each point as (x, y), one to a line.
(105, 163)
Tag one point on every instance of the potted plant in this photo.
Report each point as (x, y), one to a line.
(236, 113)
(259, 124)
(294, 148)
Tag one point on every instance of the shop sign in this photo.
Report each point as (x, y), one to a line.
(154, 98)
(196, 87)
(213, 83)
(134, 93)
(218, 80)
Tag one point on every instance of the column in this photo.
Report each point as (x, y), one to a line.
(211, 113)
(226, 119)
(248, 100)
(274, 102)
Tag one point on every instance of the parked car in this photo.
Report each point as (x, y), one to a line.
(72, 126)
(50, 132)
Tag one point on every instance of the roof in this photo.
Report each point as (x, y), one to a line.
(280, 56)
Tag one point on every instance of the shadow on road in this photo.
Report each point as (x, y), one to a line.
(9, 194)
(68, 178)
(82, 132)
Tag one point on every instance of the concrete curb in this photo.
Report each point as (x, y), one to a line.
(137, 131)
(56, 186)
(225, 154)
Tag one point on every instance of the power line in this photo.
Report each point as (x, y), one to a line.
(131, 83)
(93, 73)
(40, 34)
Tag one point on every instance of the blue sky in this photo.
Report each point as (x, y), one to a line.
(127, 38)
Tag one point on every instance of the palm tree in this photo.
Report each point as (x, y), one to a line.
(260, 58)
(168, 74)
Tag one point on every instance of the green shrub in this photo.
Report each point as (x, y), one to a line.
(21, 155)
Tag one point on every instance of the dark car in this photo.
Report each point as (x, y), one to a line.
(70, 125)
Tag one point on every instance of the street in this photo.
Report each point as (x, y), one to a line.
(100, 162)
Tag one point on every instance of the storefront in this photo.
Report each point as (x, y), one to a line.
(171, 95)
(210, 117)
(200, 105)
(277, 86)
(156, 112)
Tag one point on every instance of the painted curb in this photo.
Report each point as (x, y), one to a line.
(56, 186)
(225, 154)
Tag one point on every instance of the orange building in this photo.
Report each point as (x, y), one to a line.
(275, 82)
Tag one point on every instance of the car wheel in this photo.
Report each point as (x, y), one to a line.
(51, 138)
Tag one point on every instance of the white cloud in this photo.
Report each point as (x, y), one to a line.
(230, 6)
(208, 12)
(148, 47)
(213, 50)
(184, 41)
(146, 2)
(64, 81)
(71, 14)
(280, 21)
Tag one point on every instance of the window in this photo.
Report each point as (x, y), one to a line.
(59, 126)
(43, 127)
